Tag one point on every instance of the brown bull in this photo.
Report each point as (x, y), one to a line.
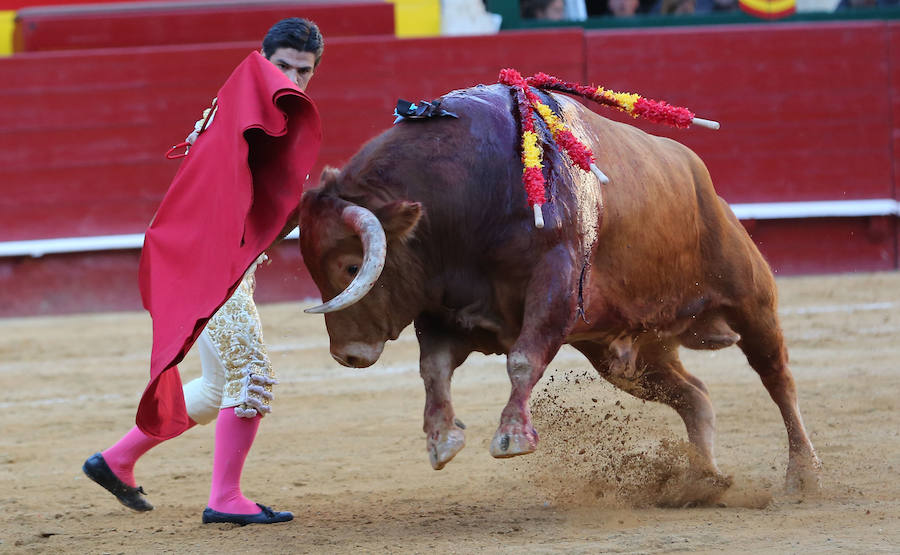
(625, 273)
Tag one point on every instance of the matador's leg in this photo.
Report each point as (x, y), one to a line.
(203, 396)
(236, 333)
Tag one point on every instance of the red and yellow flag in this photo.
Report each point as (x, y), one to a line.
(769, 9)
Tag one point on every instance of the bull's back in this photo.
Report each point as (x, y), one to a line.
(656, 230)
(467, 173)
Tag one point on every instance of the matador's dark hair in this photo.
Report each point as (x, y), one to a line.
(297, 33)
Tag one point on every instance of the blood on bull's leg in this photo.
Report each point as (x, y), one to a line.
(439, 356)
(550, 311)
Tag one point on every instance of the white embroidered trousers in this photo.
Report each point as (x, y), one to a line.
(236, 371)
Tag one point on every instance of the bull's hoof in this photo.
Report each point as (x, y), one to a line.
(803, 477)
(696, 489)
(714, 484)
(513, 442)
(444, 447)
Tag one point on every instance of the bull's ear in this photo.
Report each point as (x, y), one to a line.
(328, 177)
(399, 218)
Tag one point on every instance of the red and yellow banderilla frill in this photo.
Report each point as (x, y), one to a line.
(528, 102)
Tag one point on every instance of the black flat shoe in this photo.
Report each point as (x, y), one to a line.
(265, 516)
(133, 498)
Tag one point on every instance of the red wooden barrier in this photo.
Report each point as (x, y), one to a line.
(894, 73)
(81, 147)
(107, 281)
(806, 113)
(827, 245)
(13, 5)
(85, 141)
(805, 109)
(357, 90)
(82, 134)
(894, 77)
(175, 23)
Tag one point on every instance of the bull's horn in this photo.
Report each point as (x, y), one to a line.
(369, 229)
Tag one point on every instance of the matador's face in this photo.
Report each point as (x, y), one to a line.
(298, 66)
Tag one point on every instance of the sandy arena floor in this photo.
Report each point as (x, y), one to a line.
(345, 450)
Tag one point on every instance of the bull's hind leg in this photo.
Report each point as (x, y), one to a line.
(763, 345)
(659, 376)
(439, 356)
(550, 305)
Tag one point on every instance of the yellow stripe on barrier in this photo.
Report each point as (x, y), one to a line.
(417, 18)
(7, 24)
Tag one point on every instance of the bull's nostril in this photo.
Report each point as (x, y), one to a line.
(353, 361)
(341, 360)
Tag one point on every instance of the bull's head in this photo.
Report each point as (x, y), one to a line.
(345, 247)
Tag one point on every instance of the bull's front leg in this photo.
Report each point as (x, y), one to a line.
(550, 308)
(439, 356)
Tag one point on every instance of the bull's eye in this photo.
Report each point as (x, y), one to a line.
(352, 269)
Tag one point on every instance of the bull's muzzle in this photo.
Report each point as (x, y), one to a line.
(357, 355)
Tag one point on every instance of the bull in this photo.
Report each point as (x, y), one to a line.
(429, 224)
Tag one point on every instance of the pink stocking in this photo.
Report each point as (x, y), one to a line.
(234, 437)
(122, 456)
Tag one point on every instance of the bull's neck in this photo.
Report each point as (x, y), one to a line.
(405, 268)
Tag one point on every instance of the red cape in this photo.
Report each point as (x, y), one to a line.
(232, 195)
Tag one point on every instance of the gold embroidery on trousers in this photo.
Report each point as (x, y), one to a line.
(236, 333)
